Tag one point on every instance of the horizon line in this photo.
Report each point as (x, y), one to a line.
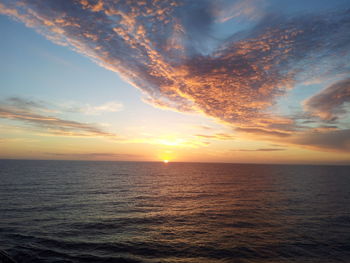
(178, 162)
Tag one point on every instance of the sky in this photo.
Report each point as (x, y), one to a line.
(241, 81)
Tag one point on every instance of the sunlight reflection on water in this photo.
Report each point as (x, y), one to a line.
(179, 212)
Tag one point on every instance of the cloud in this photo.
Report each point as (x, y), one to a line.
(204, 127)
(95, 155)
(217, 136)
(88, 109)
(330, 102)
(263, 132)
(225, 10)
(29, 113)
(329, 140)
(25, 104)
(22, 140)
(111, 106)
(166, 49)
(261, 150)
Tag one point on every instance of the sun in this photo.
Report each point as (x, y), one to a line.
(165, 161)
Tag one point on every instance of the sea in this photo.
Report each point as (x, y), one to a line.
(81, 211)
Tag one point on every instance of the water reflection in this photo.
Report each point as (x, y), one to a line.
(151, 212)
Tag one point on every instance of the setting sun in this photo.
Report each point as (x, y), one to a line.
(165, 161)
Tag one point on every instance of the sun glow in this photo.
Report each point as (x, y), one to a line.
(165, 161)
(171, 142)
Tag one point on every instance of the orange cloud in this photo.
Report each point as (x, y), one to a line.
(29, 114)
(217, 136)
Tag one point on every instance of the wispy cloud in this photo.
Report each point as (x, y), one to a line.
(30, 114)
(111, 106)
(22, 140)
(204, 127)
(95, 155)
(261, 150)
(27, 104)
(37, 117)
(217, 136)
(331, 102)
(329, 140)
(225, 10)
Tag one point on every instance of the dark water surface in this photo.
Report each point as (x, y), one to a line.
(60, 211)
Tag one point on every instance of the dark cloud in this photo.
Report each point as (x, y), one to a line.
(25, 103)
(26, 112)
(330, 140)
(330, 102)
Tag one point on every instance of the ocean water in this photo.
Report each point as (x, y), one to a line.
(71, 211)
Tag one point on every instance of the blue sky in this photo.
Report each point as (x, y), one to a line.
(58, 75)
